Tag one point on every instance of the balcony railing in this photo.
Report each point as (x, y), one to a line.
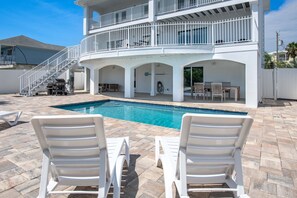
(122, 16)
(7, 59)
(170, 34)
(166, 6)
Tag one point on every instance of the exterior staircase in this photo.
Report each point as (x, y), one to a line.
(38, 77)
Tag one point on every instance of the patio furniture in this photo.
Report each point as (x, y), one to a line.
(108, 87)
(217, 90)
(5, 115)
(199, 90)
(208, 152)
(227, 91)
(236, 90)
(76, 153)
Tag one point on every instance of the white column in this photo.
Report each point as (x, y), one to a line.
(86, 21)
(152, 10)
(255, 21)
(87, 79)
(153, 81)
(94, 81)
(129, 83)
(178, 84)
(251, 80)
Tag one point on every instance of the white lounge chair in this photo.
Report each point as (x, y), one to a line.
(208, 152)
(5, 115)
(76, 153)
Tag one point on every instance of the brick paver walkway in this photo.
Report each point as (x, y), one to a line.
(269, 156)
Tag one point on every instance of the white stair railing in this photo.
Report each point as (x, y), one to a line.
(47, 69)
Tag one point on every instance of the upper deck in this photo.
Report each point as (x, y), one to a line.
(105, 15)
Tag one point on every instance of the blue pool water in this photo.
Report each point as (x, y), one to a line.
(160, 115)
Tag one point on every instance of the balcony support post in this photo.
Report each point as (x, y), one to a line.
(94, 81)
(178, 82)
(153, 76)
(153, 35)
(129, 82)
(87, 79)
(86, 21)
(255, 21)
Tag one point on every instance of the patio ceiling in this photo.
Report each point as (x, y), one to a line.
(238, 10)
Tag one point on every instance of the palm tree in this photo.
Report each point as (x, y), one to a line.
(292, 51)
(268, 61)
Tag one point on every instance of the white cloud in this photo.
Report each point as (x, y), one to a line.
(284, 21)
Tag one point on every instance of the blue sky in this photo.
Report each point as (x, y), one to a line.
(54, 21)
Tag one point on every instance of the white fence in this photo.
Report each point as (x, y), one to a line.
(285, 83)
(9, 82)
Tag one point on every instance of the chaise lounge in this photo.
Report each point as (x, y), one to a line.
(5, 115)
(207, 153)
(76, 153)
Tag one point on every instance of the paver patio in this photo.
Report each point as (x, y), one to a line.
(269, 156)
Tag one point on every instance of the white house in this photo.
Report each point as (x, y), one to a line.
(136, 43)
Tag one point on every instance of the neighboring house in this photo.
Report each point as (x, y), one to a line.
(282, 56)
(24, 52)
(137, 44)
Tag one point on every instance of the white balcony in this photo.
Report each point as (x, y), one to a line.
(121, 16)
(189, 34)
(167, 6)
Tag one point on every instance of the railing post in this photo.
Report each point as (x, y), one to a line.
(185, 33)
(109, 43)
(212, 34)
(95, 47)
(153, 35)
(128, 37)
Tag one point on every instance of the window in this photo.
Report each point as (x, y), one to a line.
(145, 10)
(117, 18)
(182, 37)
(199, 35)
(194, 36)
(124, 15)
(181, 4)
(192, 2)
(112, 45)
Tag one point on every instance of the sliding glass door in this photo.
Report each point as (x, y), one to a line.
(191, 76)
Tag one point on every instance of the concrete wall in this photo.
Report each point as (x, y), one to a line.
(163, 74)
(113, 75)
(9, 82)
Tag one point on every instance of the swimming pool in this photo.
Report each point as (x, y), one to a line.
(159, 115)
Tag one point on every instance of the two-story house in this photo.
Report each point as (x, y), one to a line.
(138, 43)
